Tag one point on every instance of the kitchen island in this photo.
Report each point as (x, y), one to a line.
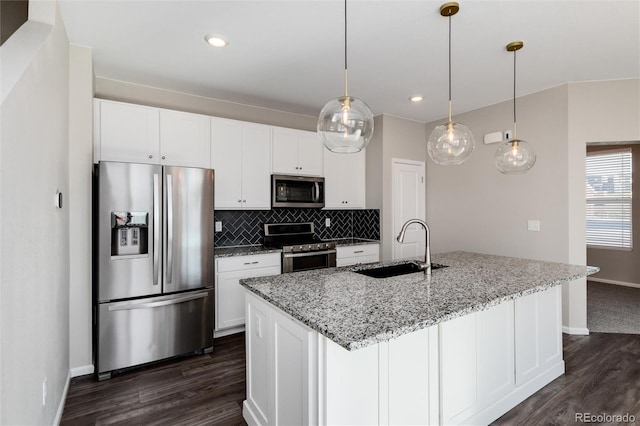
(463, 345)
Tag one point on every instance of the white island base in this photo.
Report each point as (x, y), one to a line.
(468, 370)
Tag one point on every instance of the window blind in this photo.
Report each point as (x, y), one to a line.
(609, 177)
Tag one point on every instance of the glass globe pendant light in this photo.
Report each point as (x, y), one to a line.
(514, 156)
(345, 124)
(450, 143)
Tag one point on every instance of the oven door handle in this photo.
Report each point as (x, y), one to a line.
(308, 253)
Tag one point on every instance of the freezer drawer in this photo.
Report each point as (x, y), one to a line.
(139, 331)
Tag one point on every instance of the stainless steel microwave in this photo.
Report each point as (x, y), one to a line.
(297, 191)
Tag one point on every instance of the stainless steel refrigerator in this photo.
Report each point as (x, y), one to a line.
(153, 263)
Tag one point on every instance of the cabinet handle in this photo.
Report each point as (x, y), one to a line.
(358, 251)
(252, 263)
(163, 157)
(239, 201)
(244, 201)
(150, 156)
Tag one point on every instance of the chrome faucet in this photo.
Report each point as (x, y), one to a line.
(426, 265)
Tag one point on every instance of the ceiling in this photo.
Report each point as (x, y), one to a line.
(288, 55)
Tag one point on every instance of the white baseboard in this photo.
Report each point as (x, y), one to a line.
(63, 399)
(579, 331)
(248, 415)
(614, 282)
(82, 370)
(227, 332)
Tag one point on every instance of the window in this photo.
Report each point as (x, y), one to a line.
(609, 199)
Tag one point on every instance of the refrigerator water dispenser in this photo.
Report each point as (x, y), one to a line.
(129, 233)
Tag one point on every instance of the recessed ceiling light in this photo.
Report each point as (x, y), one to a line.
(416, 98)
(216, 40)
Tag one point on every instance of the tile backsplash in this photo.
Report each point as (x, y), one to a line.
(245, 227)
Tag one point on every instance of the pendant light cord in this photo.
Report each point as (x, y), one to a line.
(345, 49)
(449, 68)
(514, 96)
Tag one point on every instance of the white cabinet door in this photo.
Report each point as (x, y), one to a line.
(285, 151)
(241, 157)
(538, 325)
(256, 170)
(297, 152)
(293, 378)
(126, 132)
(310, 150)
(226, 160)
(185, 139)
(230, 300)
(477, 356)
(344, 176)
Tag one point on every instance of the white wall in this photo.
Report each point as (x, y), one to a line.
(604, 111)
(476, 208)
(394, 137)
(34, 247)
(79, 202)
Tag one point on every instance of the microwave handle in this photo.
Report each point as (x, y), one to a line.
(316, 192)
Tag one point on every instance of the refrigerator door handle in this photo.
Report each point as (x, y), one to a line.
(156, 228)
(169, 229)
(159, 303)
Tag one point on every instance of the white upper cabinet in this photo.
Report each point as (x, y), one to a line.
(297, 152)
(240, 155)
(184, 139)
(344, 180)
(141, 134)
(126, 132)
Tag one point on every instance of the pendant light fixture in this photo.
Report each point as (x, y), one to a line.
(516, 155)
(450, 143)
(345, 124)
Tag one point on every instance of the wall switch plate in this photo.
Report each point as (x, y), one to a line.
(533, 225)
(218, 226)
(327, 222)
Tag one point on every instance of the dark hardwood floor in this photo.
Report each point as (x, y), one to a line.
(602, 377)
(197, 390)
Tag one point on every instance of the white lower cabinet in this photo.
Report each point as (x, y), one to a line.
(229, 306)
(362, 253)
(468, 370)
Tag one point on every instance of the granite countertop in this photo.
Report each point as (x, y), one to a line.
(356, 311)
(243, 251)
(249, 250)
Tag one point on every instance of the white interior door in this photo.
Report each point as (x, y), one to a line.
(408, 200)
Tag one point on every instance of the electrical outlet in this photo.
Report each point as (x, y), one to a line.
(533, 225)
(44, 392)
(218, 226)
(327, 222)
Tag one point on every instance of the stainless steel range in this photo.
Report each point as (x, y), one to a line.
(302, 250)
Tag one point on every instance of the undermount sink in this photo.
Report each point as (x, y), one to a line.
(397, 269)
